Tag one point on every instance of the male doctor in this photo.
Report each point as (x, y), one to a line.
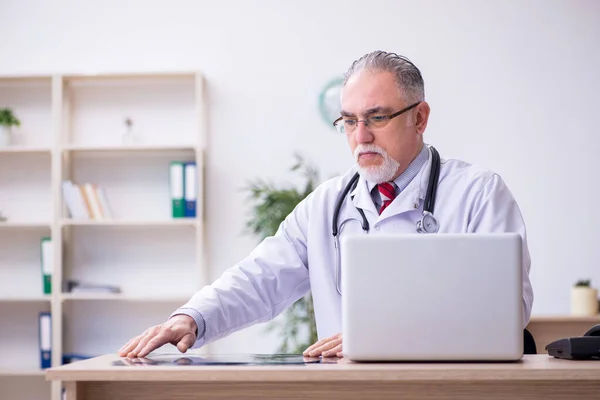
(384, 116)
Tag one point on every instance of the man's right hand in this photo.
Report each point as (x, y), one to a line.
(180, 331)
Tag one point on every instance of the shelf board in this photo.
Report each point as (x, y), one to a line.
(566, 318)
(128, 148)
(21, 372)
(24, 225)
(134, 75)
(24, 299)
(25, 150)
(25, 78)
(133, 223)
(124, 297)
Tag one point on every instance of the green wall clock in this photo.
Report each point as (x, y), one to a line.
(329, 101)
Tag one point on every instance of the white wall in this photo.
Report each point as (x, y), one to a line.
(513, 85)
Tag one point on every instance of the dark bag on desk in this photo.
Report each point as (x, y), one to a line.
(586, 347)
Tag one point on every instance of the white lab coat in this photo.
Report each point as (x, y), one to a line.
(301, 256)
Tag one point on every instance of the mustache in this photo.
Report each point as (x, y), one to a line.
(367, 148)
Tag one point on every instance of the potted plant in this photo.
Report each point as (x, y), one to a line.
(584, 299)
(7, 121)
(271, 205)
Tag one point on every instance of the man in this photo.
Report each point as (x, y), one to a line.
(384, 116)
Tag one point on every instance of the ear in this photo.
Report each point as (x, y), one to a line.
(422, 117)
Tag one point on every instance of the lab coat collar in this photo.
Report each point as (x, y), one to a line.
(404, 179)
(361, 197)
(409, 199)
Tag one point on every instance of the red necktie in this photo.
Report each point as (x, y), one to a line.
(388, 193)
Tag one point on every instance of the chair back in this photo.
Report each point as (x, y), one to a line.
(529, 346)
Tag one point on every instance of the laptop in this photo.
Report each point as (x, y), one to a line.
(432, 297)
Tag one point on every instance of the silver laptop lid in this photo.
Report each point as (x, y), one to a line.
(432, 297)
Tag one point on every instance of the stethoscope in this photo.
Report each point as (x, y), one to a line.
(427, 224)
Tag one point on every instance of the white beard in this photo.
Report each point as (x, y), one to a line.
(384, 172)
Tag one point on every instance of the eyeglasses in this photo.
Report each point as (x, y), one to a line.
(376, 121)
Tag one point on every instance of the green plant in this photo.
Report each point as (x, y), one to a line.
(8, 118)
(583, 283)
(271, 205)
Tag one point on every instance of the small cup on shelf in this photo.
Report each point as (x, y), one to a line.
(584, 299)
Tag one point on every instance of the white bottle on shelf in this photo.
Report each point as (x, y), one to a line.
(5, 136)
(128, 137)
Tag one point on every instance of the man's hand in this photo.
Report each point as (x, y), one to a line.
(179, 330)
(328, 347)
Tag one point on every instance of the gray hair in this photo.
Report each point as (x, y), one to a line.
(407, 75)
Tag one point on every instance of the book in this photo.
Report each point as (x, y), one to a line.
(45, 339)
(176, 182)
(86, 202)
(47, 261)
(191, 189)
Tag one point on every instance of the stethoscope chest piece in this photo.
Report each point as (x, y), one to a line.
(428, 224)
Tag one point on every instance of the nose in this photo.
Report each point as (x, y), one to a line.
(362, 134)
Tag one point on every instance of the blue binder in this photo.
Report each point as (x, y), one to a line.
(45, 339)
(190, 189)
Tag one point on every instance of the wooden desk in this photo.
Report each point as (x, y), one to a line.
(535, 377)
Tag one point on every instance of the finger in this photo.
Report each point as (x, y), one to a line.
(133, 352)
(316, 348)
(327, 346)
(149, 334)
(325, 340)
(340, 354)
(315, 345)
(319, 343)
(163, 337)
(333, 352)
(129, 346)
(125, 345)
(186, 342)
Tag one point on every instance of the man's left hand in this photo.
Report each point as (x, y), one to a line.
(328, 347)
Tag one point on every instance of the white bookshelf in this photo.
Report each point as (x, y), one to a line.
(24, 385)
(149, 298)
(133, 222)
(16, 372)
(72, 129)
(24, 225)
(25, 150)
(25, 298)
(128, 148)
(19, 336)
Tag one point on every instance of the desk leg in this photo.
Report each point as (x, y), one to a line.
(74, 390)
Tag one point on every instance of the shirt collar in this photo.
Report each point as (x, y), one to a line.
(410, 172)
(414, 191)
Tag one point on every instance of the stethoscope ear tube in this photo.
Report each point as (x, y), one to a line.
(433, 181)
(336, 212)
